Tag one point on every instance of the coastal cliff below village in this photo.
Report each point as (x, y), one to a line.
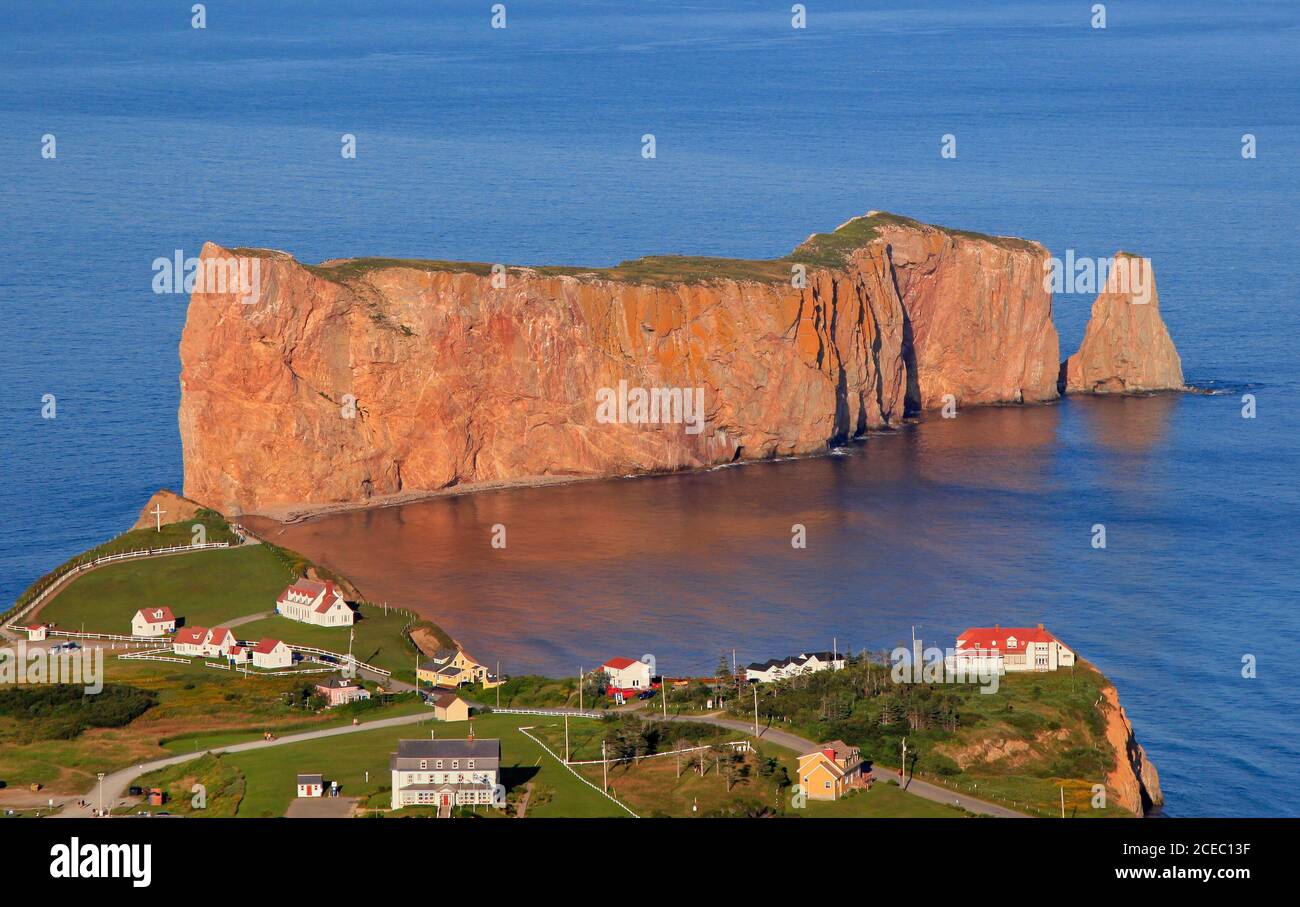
(372, 380)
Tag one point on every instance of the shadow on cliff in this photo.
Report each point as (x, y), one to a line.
(912, 398)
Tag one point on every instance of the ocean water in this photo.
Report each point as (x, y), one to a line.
(523, 145)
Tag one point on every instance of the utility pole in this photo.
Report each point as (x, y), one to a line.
(100, 775)
(755, 710)
(566, 738)
(902, 772)
(604, 765)
(499, 683)
(1062, 802)
(579, 688)
(663, 691)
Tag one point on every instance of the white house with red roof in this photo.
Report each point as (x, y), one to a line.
(36, 632)
(156, 621)
(313, 602)
(272, 653)
(1015, 648)
(626, 676)
(202, 642)
(239, 654)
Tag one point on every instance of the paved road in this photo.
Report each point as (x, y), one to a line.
(880, 773)
(115, 785)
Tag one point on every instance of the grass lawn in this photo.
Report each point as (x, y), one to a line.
(885, 800)
(203, 588)
(269, 773)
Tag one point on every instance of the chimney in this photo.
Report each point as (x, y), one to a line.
(1041, 627)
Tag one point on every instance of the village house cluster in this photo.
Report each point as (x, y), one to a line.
(803, 663)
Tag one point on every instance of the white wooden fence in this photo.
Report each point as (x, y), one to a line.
(577, 774)
(56, 580)
(339, 659)
(740, 746)
(558, 713)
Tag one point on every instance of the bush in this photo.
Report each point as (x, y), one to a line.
(62, 711)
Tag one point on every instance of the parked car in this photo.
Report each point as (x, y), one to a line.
(648, 694)
(135, 791)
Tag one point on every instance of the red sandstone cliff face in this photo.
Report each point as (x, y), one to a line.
(1127, 348)
(1134, 779)
(458, 382)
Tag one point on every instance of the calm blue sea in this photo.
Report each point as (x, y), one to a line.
(523, 145)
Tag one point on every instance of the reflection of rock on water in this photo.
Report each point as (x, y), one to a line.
(1125, 423)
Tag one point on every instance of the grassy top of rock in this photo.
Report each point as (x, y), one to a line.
(821, 250)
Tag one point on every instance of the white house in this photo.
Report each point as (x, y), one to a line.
(311, 785)
(803, 663)
(1017, 648)
(36, 632)
(190, 641)
(271, 653)
(201, 641)
(239, 655)
(627, 676)
(153, 621)
(445, 773)
(312, 602)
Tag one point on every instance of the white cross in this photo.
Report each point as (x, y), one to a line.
(158, 512)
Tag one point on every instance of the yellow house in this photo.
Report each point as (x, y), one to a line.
(831, 770)
(450, 707)
(451, 668)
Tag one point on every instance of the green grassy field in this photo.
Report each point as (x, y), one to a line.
(203, 588)
(208, 588)
(269, 773)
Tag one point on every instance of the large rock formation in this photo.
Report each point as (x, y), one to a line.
(359, 380)
(1134, 780)
(1127, 348)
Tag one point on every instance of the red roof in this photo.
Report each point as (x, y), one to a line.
(312, 589)
(236, 649)
(36, 626)
(266, 646)
(158, 615)
(998, 637)
(193, 636)
(619, 664)
(219, 635)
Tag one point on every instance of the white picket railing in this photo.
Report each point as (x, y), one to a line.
(577, 774)
(57, 580)
(740, 746)
(558, 713)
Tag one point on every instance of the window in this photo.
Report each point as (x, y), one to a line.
(826, 784)
(424, 763)
(455, 763)
(469, 764)
(439, 765)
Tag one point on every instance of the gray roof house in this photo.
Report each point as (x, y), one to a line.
(446, 773)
